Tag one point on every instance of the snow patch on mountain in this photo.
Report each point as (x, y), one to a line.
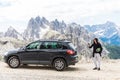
(100, 32)
(44, 31)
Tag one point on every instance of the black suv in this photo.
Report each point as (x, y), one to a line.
(59, 54)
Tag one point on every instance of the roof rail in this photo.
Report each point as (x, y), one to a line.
(55, 40)
(61, 39)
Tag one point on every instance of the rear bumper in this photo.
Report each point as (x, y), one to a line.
(73, 60)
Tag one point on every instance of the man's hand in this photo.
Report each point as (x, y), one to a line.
(88, 44)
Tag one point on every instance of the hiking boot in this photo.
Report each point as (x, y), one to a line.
(98, 69)
(95, 68)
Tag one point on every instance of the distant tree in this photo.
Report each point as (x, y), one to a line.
(114, 51)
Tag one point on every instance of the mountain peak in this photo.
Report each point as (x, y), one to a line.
(73, 23)
(56, 20)
(11, 29)
(44, 19)
(38, 18)
(11, 32)
(110, 23)
(63, 22)
(32, 19)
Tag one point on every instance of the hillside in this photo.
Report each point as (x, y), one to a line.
(114, 51)
(7, 43)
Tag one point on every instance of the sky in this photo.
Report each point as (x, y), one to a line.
(16, 13)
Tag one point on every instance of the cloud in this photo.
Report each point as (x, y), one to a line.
(83, 8)
(2, 4)
(18, 12)
(6, 3)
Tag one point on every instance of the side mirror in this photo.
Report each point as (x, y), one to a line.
(23, 48)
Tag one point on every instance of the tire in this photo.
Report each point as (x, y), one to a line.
(59, 64)
(14, 62)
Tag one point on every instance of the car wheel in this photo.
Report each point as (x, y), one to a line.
(14, 62)
(59, 64)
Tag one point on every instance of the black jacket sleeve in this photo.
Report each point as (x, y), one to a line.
(91, 46)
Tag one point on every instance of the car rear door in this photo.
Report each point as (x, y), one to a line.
(47, 51)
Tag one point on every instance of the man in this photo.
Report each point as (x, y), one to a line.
(97, 49)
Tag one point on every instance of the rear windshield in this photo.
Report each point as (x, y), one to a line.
(72, 46)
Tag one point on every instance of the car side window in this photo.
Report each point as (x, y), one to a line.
(44, 45)
(59, 46)
(34, 45)
(64, 47)
(51, 45)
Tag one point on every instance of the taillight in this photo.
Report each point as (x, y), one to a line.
(70, 52)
